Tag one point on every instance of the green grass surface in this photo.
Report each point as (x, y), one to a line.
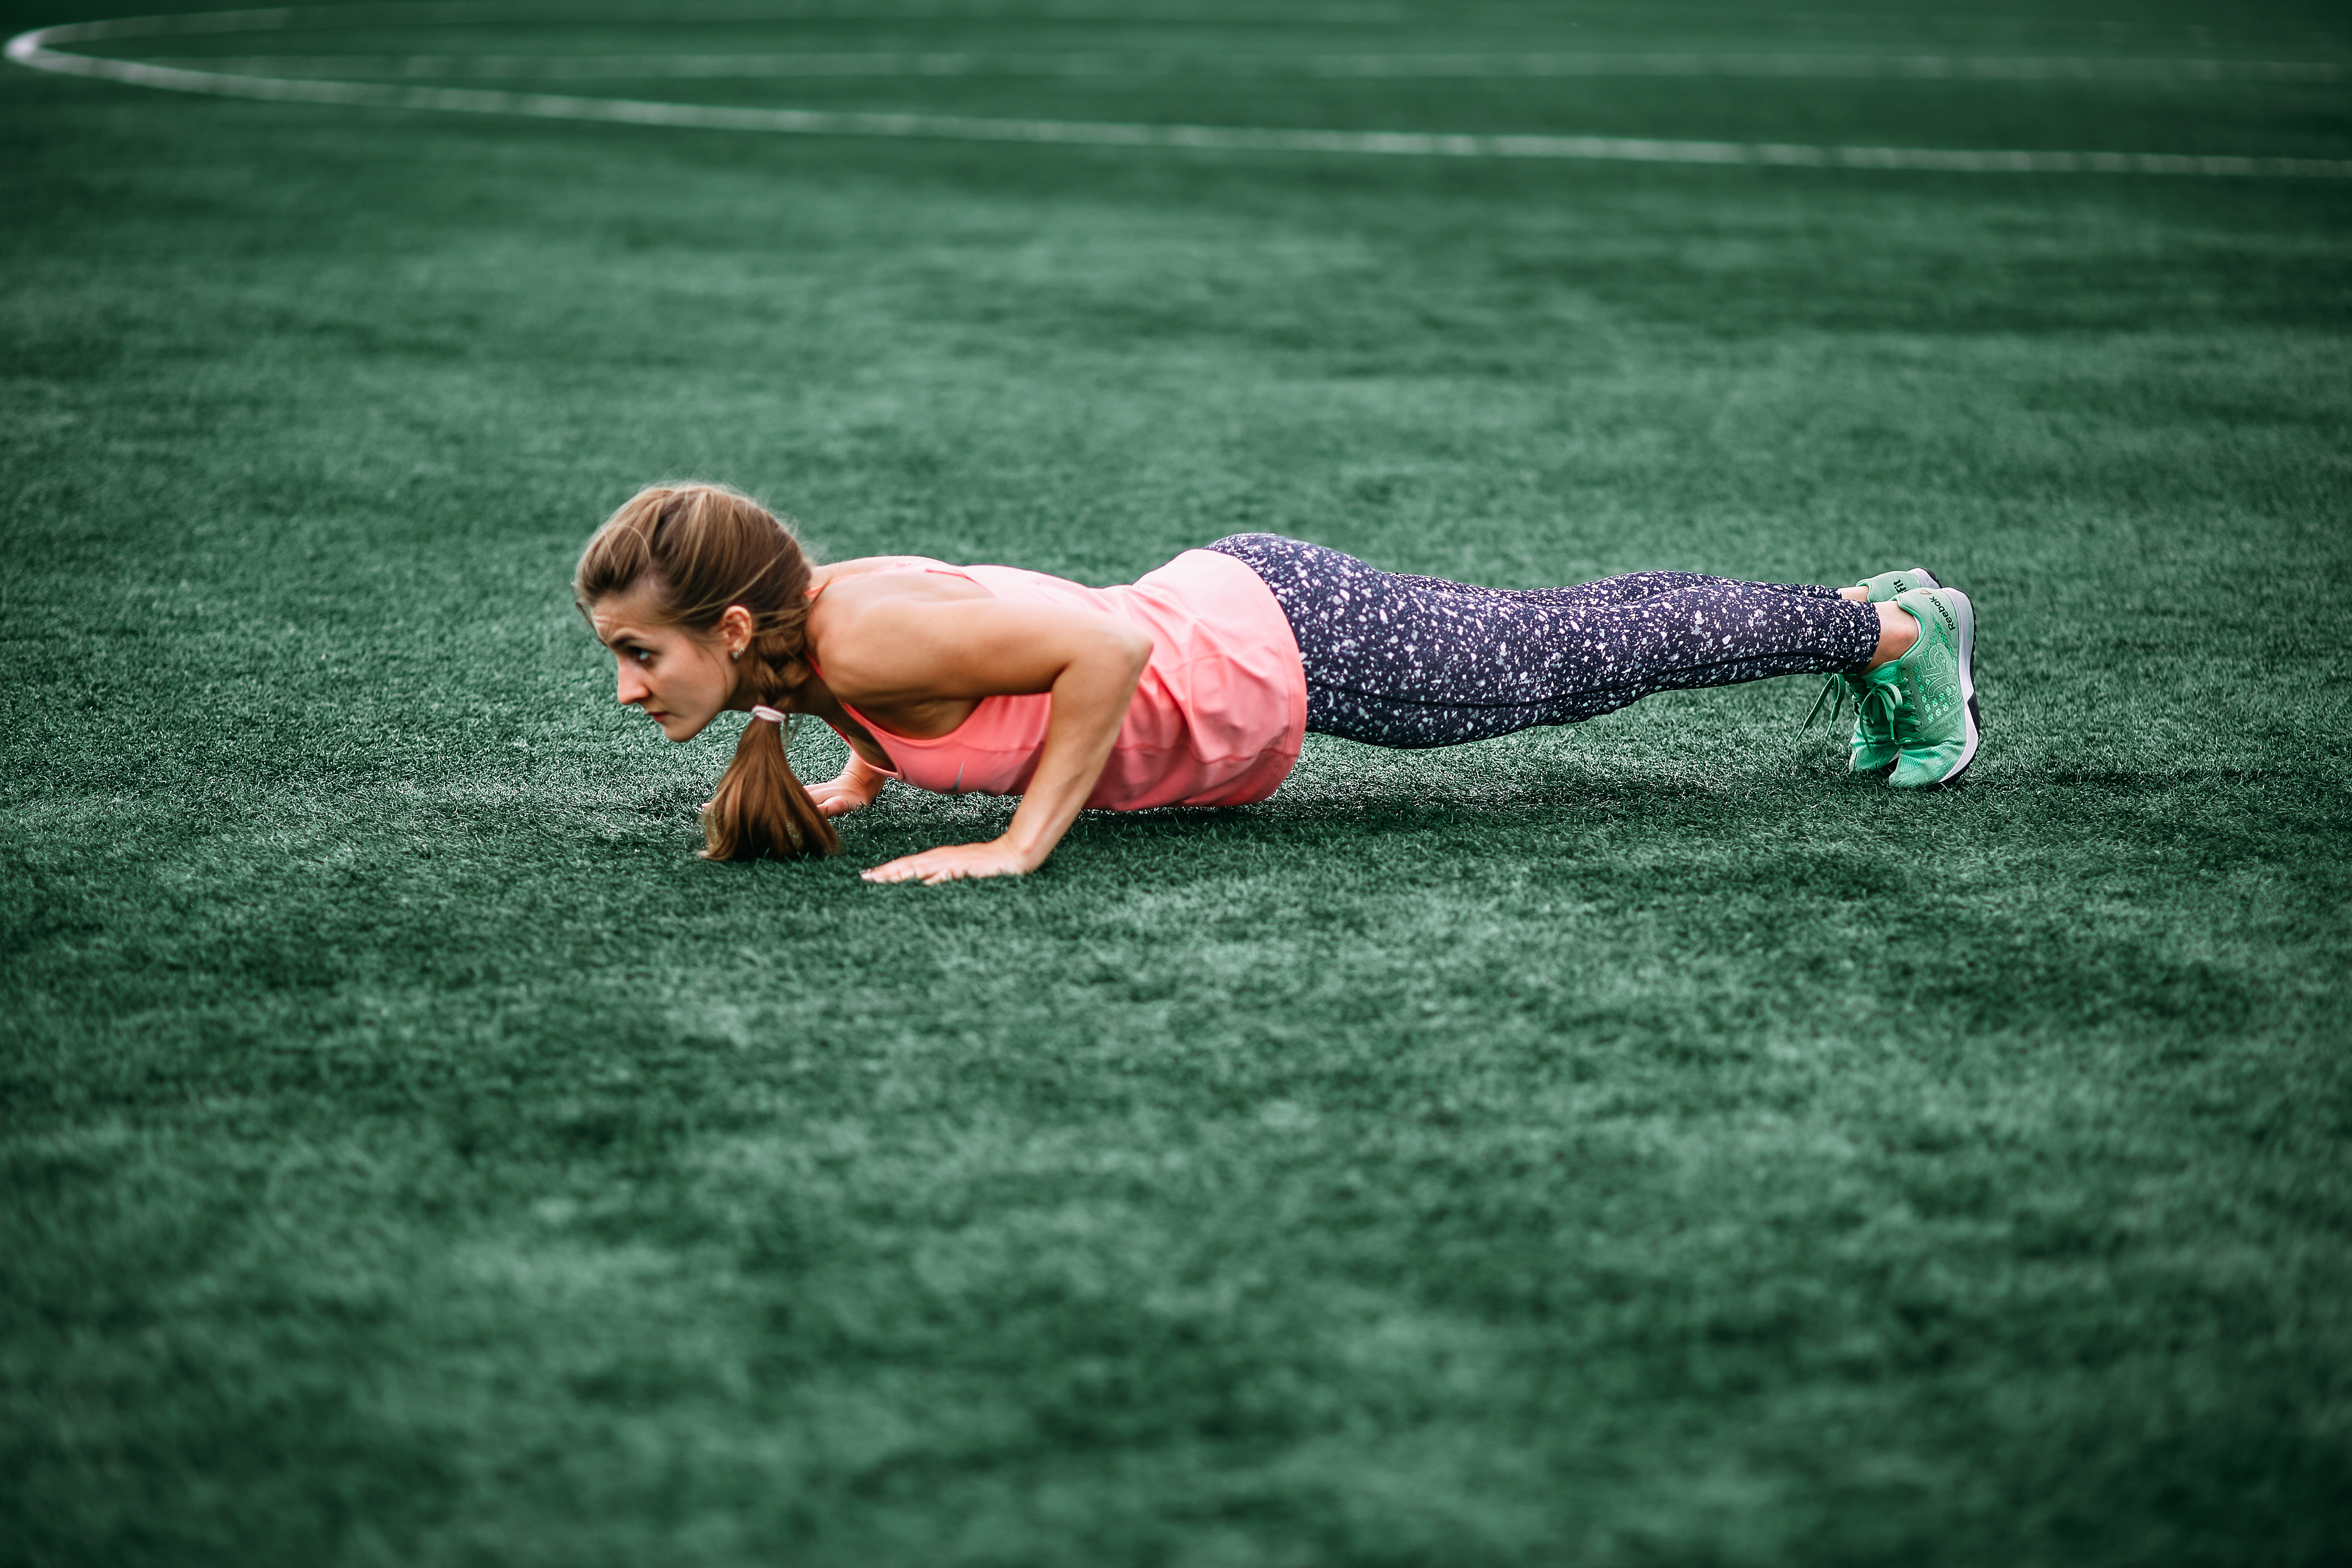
(1629, 1143)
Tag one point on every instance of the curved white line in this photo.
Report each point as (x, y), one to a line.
(1098, 64)
(32, 49)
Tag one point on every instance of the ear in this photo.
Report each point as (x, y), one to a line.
(735, 628)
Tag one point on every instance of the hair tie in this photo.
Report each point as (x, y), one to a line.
(762, 710)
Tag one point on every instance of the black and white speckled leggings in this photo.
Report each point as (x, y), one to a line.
(1396, 660)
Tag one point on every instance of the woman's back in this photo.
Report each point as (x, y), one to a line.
(1216, 718)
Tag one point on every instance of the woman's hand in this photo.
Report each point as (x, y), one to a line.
(952, 862)
(853, 790)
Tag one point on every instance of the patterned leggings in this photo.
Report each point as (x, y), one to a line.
(1395, 660)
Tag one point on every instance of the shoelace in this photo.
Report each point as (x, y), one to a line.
(1837, 703)
(1886, 698)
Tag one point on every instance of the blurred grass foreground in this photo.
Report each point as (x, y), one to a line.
(1631, 1143)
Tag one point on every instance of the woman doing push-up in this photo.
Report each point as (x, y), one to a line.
(1193, 685)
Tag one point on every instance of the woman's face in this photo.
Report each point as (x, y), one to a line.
(682, 679)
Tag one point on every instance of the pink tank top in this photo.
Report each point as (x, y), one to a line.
(1216, 718)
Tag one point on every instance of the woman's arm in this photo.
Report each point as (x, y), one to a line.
(893, 652)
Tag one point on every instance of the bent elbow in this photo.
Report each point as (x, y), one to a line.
(1108, 652)
(1121, 647)
(1136, 644)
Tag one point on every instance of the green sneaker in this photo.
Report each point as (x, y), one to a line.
(1889, 585)
(1935, 725)
(1873, 748)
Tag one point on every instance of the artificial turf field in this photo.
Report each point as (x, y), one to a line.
(1632, 1144)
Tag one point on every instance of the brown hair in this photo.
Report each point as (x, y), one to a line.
(700, 548)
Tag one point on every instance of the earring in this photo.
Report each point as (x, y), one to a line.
(736, 653)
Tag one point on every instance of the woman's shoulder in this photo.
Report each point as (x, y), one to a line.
(870, 565)
(880, 596)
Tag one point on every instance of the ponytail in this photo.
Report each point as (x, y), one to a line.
(761, 809)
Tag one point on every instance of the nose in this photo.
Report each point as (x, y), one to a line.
(633, 688)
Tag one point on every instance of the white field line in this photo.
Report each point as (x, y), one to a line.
(1856, 67)
(467, 13)
(31, 49)
(464, 12)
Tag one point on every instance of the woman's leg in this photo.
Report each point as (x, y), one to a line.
(1406, 661)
